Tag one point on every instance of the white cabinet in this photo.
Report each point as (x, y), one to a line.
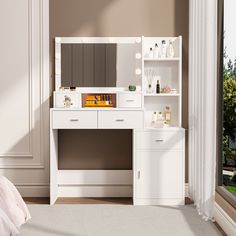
(159, 167)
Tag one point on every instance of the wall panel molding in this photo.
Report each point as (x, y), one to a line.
(38, 102)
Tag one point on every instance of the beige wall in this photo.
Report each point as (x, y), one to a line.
(123, 18)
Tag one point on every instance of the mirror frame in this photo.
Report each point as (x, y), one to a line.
(93, 40)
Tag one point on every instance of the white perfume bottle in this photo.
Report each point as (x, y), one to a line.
(150, 55)
(154, 118)
(170, 50)
(156, 51)
(159, 121)
(163, 49)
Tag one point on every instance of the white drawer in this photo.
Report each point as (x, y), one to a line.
(120, 119)
(130, 100)
(74, 119)
(159, 139)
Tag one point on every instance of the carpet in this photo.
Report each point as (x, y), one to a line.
(116, 220)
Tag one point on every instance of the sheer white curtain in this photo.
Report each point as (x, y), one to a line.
(202, 104)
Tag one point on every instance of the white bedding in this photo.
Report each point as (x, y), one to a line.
(13, 210)
(6, 226)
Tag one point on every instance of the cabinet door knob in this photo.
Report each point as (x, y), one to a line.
(74, 120)
(120, 120)
(159, 140)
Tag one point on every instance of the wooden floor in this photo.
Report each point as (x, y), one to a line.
(70, 200)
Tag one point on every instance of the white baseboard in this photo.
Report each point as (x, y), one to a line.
(34, 190)
(225, 222)
(95, 191)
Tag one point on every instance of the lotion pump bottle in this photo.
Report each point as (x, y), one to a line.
(156, 51)
(163, 49)
(170, 50)
(150, 55)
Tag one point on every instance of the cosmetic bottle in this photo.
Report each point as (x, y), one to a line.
(149, 88)
(150, 55)
(110, 99)
(167, 115)
(163, 49)
(154, 118)
(170, 50)
(156, 51)
(158, 87)
(159, 121)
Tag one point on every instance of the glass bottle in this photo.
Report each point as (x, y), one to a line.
(158, 87)
(160, 121)
(163, 49)
(149, 88)
(156, 51)
(154, 118)
(150, 55)
(167, 115)
(170, 50)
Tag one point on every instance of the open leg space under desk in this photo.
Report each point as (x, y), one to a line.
(87, 183)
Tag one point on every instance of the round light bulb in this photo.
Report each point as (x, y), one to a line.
(138, 71)
(138, 40)
(138, 55)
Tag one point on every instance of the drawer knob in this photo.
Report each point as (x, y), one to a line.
(159, 140)
(120, 120)
(139, 174)
(74, 120)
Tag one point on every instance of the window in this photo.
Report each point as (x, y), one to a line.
(227, 101)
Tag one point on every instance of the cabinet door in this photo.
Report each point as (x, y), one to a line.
(159, 174)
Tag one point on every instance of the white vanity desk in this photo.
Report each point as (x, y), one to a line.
(157, 177)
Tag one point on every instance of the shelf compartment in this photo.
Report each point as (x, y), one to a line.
(158, 104)
(97, 100)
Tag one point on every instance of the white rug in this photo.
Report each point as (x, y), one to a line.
(116, 220)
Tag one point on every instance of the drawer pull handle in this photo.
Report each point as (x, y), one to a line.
(120, 120)
(159, 140)
(129, 100)
(74, 120)
(139, 174)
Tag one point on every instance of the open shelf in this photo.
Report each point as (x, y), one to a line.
(98, 100)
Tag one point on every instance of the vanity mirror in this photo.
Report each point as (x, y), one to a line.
(98, 62)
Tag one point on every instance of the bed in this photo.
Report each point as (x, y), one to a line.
(13, 210)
